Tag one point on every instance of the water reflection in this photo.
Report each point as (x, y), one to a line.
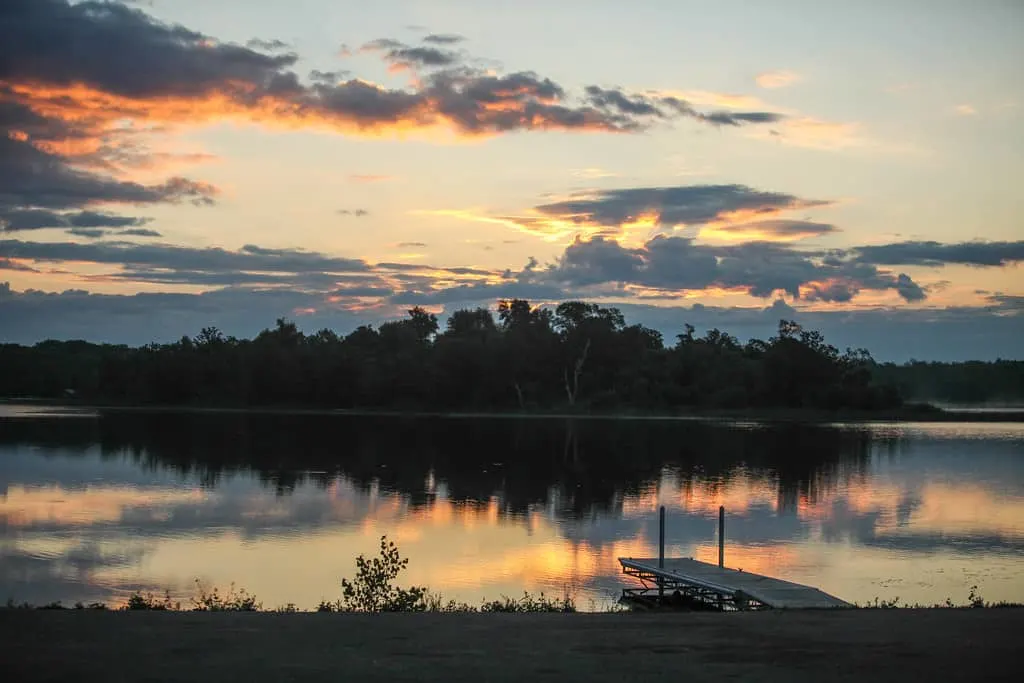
(91, 509)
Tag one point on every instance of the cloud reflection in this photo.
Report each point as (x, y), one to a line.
(852, 510)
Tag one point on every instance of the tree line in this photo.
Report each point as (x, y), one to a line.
(578, 356)
(970, 382)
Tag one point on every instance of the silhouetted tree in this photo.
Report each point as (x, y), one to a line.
(580, 355)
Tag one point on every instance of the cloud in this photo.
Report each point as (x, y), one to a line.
(593, 173)
(267, 45)
(1009, 302)
(759, 269)
(329, 77)
(929, 253)
(11, 264)
(777, 79)
(357, 213)
(96, 233)
(43, 183)
(410, 245)
(34, 219)
(666, 107)
(45, 39)
(32, 177)
(779, 230)
(249, 266)
(616, 212)
(679, 205)
(813, 133)
(193, 78)
(171, 257)
(965, 110)
(958, 333)
(443, 38)
(401, 56)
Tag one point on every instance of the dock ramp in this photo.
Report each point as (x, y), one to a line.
(721, 586)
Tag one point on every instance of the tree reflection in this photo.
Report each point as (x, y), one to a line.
(577, 467)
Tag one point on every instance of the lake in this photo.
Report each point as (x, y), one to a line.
(96, 505)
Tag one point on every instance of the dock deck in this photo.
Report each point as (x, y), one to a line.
(721, 586)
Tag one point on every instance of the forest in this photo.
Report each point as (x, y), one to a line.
(577, 357)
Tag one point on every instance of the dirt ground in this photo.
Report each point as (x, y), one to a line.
(856, 645)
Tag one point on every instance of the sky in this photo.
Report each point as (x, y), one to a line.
(171, 165)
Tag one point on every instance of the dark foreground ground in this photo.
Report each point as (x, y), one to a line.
(863, 645)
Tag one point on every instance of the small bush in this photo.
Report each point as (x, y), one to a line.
(373, 589)
(139, 602)
(235, 600)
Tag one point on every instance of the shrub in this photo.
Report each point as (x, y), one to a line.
(138, 601)
(235, 600)
(373, 589)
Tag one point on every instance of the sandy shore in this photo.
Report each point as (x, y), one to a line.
(855, 645)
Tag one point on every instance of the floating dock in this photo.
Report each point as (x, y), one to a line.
(719, 587)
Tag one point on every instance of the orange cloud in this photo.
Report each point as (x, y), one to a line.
(763, 231)
(777, 79)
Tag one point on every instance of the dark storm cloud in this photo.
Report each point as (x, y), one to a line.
(760, 269)
(938, 254)
(443, 38)
(689, 204)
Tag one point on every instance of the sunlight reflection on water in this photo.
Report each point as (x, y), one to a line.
(920, 511)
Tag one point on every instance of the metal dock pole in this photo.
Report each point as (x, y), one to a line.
(721, 535)
(661, 550)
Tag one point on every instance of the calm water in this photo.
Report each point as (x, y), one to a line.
(93, 507)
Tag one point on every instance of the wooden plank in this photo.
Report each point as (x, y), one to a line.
(773, 592)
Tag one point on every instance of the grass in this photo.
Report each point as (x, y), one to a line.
(852, 645)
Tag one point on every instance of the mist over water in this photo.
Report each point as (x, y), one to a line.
(96, 505)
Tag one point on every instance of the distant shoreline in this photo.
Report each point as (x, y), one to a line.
(911, 413)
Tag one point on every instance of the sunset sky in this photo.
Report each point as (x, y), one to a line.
(172, 164)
